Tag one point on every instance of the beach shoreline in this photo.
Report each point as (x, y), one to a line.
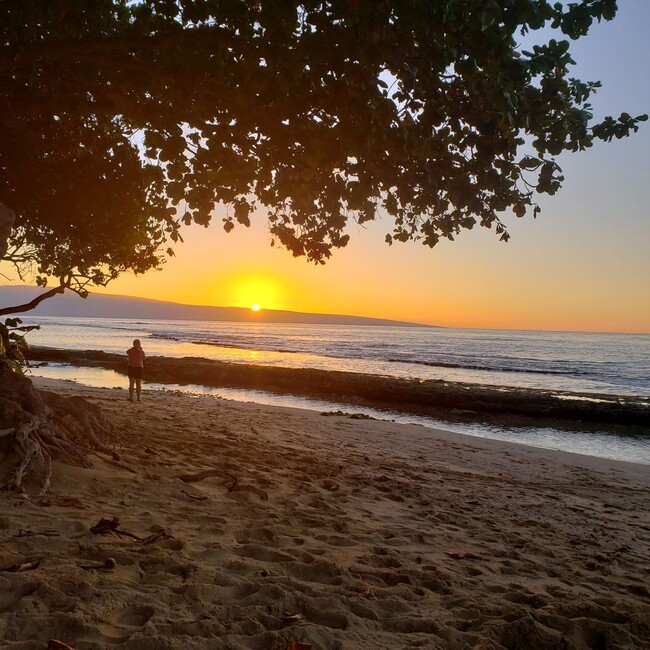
(450, 401)
(327, 531)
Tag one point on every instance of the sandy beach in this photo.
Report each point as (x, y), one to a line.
(240, 526)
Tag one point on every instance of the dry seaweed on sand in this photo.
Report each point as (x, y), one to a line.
(111, 526)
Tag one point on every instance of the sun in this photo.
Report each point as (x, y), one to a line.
(255, 307)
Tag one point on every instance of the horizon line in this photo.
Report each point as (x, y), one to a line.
(293, 311)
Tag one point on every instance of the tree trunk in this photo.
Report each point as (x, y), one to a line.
(37, 427)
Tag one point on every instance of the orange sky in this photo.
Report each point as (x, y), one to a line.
(584, 264)
(590, 277)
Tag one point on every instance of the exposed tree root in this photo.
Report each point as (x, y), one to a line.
(37, 427)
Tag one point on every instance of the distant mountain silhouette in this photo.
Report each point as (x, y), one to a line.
(109, 306)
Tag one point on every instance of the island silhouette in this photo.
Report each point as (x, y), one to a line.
(114, 306)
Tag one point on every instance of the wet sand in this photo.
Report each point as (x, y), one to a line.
(324, 531)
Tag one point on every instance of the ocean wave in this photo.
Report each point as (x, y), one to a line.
(251, 348)
(368, 351)
(218, 344)
(592, 363)
(494, 368)
(164, 337)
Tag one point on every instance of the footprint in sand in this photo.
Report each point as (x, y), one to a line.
(125, 623)
(11, 594)
(68, 525)
(263, 534)
(264, 553)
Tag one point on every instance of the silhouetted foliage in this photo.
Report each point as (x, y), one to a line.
(121, 121)
(13, 344)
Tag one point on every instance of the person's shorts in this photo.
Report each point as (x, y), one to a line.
(135, 373)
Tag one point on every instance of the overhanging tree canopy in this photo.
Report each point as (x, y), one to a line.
(123, 120)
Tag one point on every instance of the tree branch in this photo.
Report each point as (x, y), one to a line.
(33, 303)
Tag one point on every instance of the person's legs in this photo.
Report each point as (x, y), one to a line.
(131, 386)
(138, 384)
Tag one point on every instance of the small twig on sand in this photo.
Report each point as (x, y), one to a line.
(19, 568)
(55, 644)
(161, 534)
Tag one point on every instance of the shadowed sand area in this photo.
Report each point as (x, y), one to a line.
(333, 532)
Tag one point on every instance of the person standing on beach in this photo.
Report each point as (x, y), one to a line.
(135, 367)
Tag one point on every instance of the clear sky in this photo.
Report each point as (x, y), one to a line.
(584, 264)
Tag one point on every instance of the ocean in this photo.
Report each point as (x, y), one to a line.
(585, 364)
